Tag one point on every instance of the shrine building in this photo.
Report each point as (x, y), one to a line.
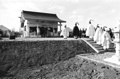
(39, 24)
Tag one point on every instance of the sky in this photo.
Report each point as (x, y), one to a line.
(103, 12)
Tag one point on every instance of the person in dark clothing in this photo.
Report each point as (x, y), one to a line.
(1, 33)
(76, 31)
(80, 33)
(83, 33)
(110, 32)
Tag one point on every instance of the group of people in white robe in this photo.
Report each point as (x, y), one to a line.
(100, 35)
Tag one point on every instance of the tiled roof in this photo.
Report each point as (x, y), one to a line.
(41, 16)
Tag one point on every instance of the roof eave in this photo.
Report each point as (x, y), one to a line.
(47, 20)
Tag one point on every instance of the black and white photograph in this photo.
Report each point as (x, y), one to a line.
(59, 39)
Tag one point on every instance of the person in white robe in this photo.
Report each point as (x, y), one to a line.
(65, 32)
(98, 34)
(22, 32)
(90, 30)
(38, 31)
(26, 29)
(106, 40)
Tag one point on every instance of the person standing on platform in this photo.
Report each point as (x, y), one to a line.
(38, 31)
(106, 39)
(98, 34)
(111, 33)
(80, 33)
(65, 32)
(76, 31)
(90, 30)
(84, 32)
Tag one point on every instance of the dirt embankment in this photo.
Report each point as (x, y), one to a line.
(16, 56)
(50, 60)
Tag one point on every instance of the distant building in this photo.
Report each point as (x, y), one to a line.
(3, 28)
(4, 31)
(39, 24)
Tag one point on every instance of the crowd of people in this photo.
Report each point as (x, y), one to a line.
(76, 33)
(103, 36)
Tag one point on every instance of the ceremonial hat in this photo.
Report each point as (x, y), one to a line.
(91, 20)
(106, 29)
(76, 23)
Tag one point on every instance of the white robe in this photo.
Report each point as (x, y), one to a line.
(38, 30)
(97, 36)
(27, 31)
(65, 32)
(90, 31)
(106, 40)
